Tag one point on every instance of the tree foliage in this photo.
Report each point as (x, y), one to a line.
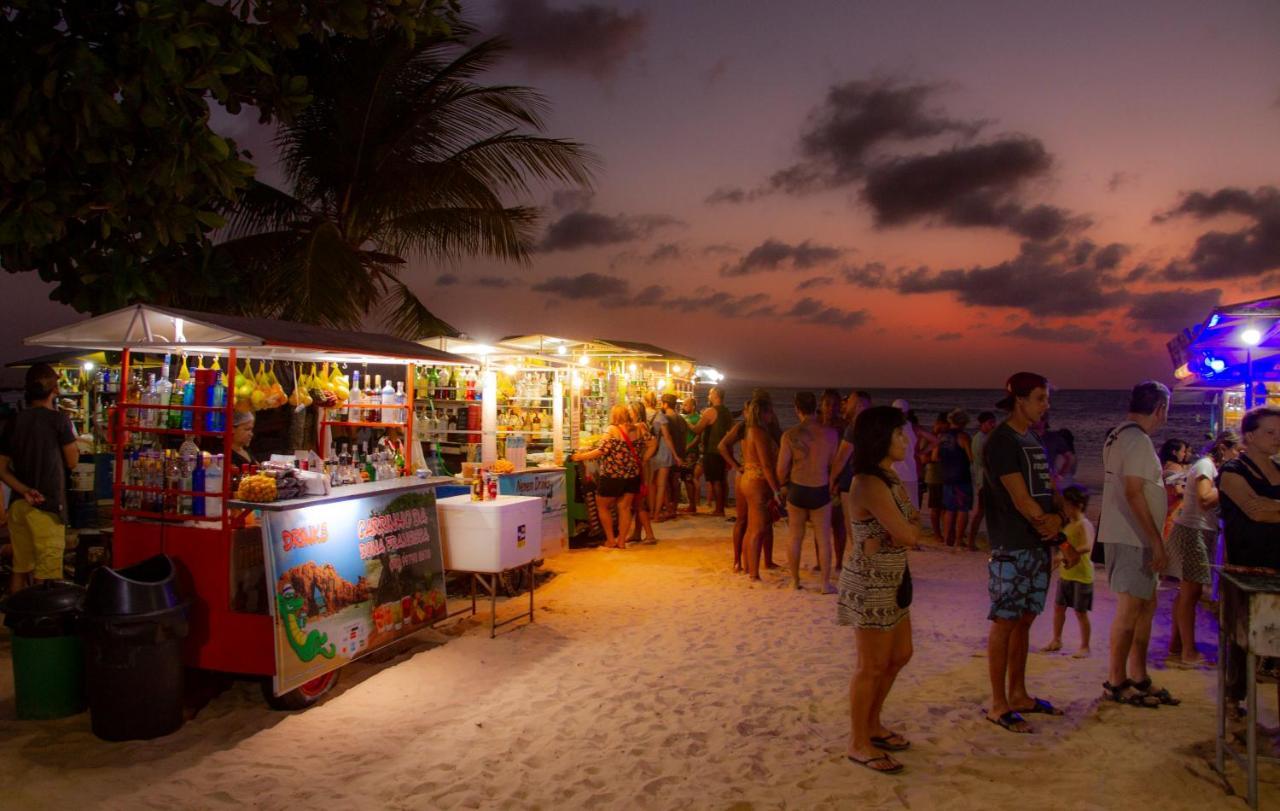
(402, 154)
(111, 179)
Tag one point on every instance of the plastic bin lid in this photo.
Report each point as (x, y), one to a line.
(143, 588)
(50, 598)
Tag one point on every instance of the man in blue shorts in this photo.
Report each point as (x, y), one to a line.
(1022, 522)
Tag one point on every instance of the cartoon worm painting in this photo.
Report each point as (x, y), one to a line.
(306, 646)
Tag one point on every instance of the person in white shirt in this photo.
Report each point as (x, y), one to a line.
(1191, 540)
(1133, 512)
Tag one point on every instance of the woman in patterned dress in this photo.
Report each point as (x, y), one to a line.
(619, 480)
(875, 590)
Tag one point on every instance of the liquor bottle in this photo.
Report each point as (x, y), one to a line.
(387, 396)
(176, 398)
(198, 485)
(373, 396)
(188, 399)
(432, 390)
(356, 392)
(213, 484)
(217, 398)
(470, 386)
(172, 481)
(164, 393)
(402, 416)
(136, 394)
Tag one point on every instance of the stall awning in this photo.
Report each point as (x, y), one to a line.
(646, 349)
(148, 328)
(1217, 352)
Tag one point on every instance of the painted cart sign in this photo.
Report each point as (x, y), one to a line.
(548, 485)
(349, 577)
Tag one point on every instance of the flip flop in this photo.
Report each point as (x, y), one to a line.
(1008, 720)
(893, 768)
(886, 742)
(1043, 707)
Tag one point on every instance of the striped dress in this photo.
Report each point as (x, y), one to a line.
(869, 583)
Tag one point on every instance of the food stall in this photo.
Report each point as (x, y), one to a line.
(292, 573)
(1233, 358)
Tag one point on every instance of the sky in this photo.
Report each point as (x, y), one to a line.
(905, 194)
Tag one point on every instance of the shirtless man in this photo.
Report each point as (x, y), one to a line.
(805, 465)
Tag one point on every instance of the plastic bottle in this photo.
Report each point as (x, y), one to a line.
(188, 399)
(213, 484)
(217, 397)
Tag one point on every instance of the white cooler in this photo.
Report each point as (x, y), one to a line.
(490, 536)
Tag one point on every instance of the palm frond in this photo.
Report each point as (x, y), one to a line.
(404, 315)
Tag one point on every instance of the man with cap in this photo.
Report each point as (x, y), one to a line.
(906, 469)
(1023, 523)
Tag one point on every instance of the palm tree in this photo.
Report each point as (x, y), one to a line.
(401, 155)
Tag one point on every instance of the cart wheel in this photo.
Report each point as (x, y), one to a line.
(300, 698)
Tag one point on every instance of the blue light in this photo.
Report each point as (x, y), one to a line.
(1215, 365)
(1213, 322)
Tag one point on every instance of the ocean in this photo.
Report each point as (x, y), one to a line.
(1088, 413)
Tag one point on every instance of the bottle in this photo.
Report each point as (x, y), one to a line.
(470, 390)
(217, 397)
(373, 396)
(356, 391)
(137, 393)
(433, 384)
(176, 397)
(387, 396)
(213, 484)
(402, 414)
(188, 399)
(164, 393)
(172, 481)
(198, 485)
(443, 389)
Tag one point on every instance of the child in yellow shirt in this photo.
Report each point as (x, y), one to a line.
(1075, 583)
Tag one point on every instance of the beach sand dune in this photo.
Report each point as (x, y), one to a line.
(657, 678)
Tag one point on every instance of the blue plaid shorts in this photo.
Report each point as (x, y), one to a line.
(1018, 582)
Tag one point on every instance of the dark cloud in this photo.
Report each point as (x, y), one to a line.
(855, 118)
(651, 295)
(718, 250)
(948, 336)
(960, 182)
(990, 210)
(816, 281)
(447, 279)
(729, 194)
(587, 229)
(811, 311)
(588, 38)
(585, 286)
(1136, 273)
(1065, 334)
(773, 255)
(1041, 280)
(495, 282)
(664, 253)
(1169, 311)
(1219, 255)
(871, 276)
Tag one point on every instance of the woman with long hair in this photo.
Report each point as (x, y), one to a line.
(759, 482)
(1174, 455)
(619, 481)
(875, 584)
(645, 447)
(1194, 534)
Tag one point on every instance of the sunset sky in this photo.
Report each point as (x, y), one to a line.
(882, 193)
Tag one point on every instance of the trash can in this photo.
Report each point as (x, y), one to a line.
(133, 626)
(48, 657)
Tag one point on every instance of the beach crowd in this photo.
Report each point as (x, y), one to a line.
(856, 477)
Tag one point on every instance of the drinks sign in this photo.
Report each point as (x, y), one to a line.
(349, 577)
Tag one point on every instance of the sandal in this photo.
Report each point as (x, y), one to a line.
(893, 742)
(1126, 693)
(893, 766)
(1010, 721)
(1043, 707)
(1162, 695)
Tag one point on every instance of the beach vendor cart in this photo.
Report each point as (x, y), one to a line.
(1232, 358)
(324, 552)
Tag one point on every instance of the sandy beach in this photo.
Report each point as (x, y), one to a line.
(657, 678)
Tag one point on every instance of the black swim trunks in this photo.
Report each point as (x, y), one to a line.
(808, 498)
(713, 468)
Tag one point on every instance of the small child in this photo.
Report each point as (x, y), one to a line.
(1075, 583)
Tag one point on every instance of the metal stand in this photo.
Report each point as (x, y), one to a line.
(1228, 632)
(491, 586)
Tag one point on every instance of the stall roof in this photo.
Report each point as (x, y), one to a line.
(1213, 352)
(151, 328)
(647, 349)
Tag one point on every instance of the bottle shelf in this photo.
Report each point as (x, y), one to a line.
(140, 429)
(137, 488)
(361, 424)
(359, 404)
(168, 407)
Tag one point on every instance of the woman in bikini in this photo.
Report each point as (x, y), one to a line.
(759, 482)
(875, 591)
(619, 481)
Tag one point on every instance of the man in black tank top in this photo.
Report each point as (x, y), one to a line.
(714, 423)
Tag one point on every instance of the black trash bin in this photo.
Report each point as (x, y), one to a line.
(133, 626)
(48, 658)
